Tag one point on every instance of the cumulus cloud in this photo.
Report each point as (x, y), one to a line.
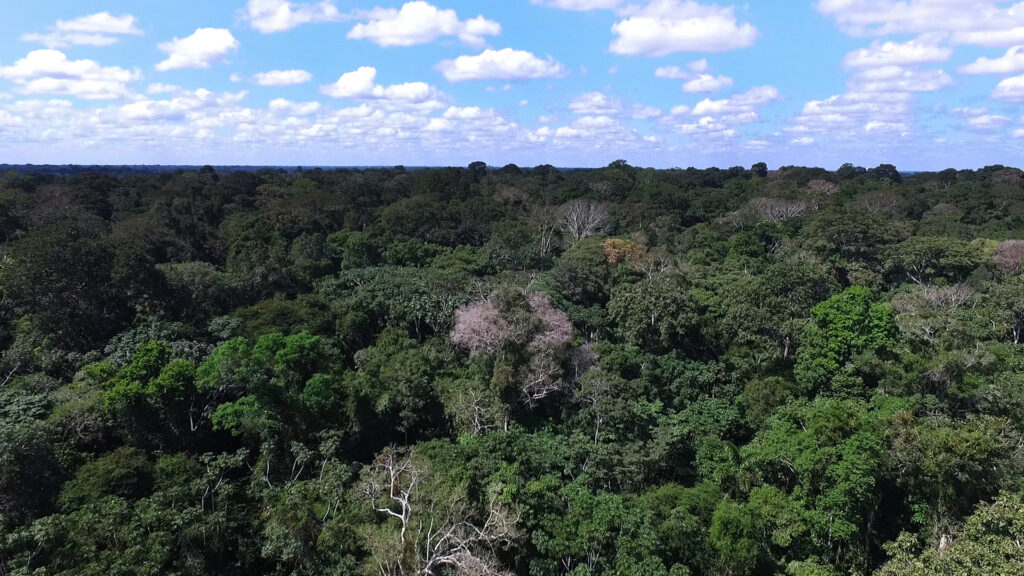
(745, 102)
(361, 85)
(900, 79)
(719, 119)
(579, 5)
(51, 72)
(699, 66)
(846, 115)
(282, 77)
(284, 106)
(641, 112)
(897, 54)
(1010, 90)
(180, 107)
(505, 64)
(979, 22)
(987, 122)
(595, 104)
(204, 47)
(160, 88)
(677, 73)
(1009, 63)
(100, 29)
(269, 16)
(419, 23)
(698, 81)
(664, 27)
(704, 83)
(672, 73)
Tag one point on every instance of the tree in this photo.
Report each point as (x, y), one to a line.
(887, 172)
(1006, 305)
(826, 457)
(1008, 257)
(657, 314)
(923, 258)
(583, 219)
(845, 326)
(848, 171)
(760, 170)
(988, 544)
(427, 522)
(530, 333)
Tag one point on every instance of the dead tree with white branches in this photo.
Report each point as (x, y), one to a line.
(436, 525)
(583, 218)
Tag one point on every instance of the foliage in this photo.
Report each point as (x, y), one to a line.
(516, 371)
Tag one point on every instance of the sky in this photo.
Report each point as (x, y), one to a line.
(922, 84)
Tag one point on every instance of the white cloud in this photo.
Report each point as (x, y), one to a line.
(641, 112)
(987, 122)
(579, 5)
(745, 102)
(843, 116)
(968, 112)
(419, 23)
(159, 88)
(705, 126)
(180, 107)
(664, 27)
(718, 119)
(698, 80)
(897, 54)
(595, 104)
(50, 72)
(979, 22)
(269, 16)
(1010, 90)
(294, 108)
(699, 66)
(803, 141)
(672, 73)
(360, 85)
(879, 126)
(900, 79)
(202, 48)
(282, 77)
(100, 29)
(704, 83)
(1009, 63)
(505, 64)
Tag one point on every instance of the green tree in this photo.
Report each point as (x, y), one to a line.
(845, 326)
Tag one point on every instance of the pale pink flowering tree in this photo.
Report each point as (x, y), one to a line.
(1009, 256)
(479, 327)
(528, 326)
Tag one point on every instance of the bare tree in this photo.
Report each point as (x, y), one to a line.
(949, 298)
(437, 525)
(880, 202)
(779, 209)
(826, 187)
(583, 218)
(546, 220)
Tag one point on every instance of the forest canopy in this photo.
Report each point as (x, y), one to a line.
(512, 371)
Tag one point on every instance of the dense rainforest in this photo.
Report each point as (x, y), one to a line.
(481, 371)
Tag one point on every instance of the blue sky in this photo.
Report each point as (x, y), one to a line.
(923, 84)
